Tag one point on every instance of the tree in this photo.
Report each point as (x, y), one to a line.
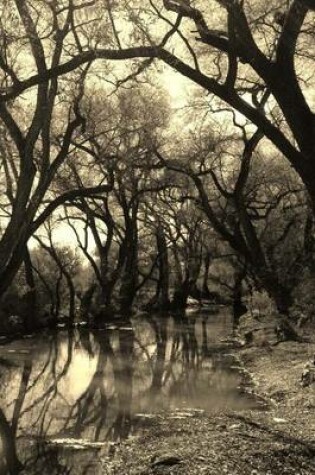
(270, 54)
(67, 267)
(250, 39)
(238, 38)
(33, 145)
(244, 54)
(241, 192)
(118, 143)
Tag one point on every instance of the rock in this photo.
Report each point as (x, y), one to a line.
(183, 414)
(235, 426)
(167, 459)
(266, 330)
(75, 444)
(191, 302)
(141, 415)
(61, 325)
(279, 420)
(308, 375)
(278, 395)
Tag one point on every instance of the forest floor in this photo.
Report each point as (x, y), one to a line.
(276, 441)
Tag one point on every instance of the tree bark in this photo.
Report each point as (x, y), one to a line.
(30, 298)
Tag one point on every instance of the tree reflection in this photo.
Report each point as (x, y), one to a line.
(123, 373)
(91, 406)
(89, 387)
(21, 407)
(9, 462)
(160, 328)
(178, 355)
(103, 410)
(204, 337)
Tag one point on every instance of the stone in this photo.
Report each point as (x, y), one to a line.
(279, 420)
(167, 459)
(308, 374)
(75, 444)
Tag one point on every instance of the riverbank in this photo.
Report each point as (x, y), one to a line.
(279, 440)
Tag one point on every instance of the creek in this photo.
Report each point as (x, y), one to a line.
(67, 395)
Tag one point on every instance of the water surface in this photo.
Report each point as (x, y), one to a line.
(95, 387)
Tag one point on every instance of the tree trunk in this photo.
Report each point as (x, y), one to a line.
(30, 298)
(86, 302)
(205, 288)
(160, 300)
(129, 278)
(163, 300)
(238, 306)
(181, 294)
(71, 297)
(107, 281)
(57, 297)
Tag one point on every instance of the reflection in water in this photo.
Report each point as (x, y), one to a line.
(88, 387)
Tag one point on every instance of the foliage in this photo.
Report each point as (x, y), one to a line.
(90, 137)
(259, 303)
(303, 309)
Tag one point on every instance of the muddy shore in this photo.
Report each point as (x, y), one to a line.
(277, 440)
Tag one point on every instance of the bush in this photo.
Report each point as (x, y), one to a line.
(303, 309)
(260, 303)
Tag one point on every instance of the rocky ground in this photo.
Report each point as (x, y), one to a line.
(276, 441)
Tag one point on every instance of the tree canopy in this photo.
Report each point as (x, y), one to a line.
(87, 128)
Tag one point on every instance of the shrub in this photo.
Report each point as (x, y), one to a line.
(260, 303)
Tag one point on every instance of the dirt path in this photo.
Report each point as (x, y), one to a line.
(274, 442)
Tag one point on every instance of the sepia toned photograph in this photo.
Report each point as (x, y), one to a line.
(157, 237)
